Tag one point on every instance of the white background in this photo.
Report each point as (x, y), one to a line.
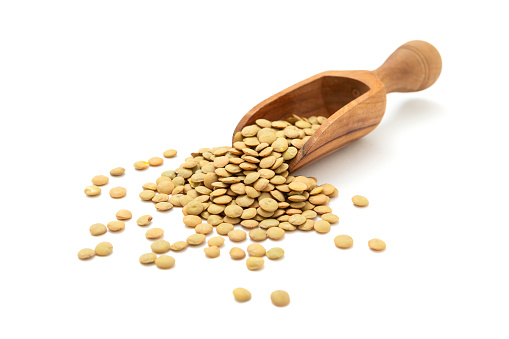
(86, 86)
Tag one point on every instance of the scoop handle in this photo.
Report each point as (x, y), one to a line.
(413, 67)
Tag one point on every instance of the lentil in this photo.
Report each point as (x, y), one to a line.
(254, 263)
(237, 235)
(376, 244)
(148, 258)
(154, 233)
(116, 225)
(165, 261)
(216, 241)
(118, 192)
(343, 241)
(360, 201)
(155, 161)
(169, 153)
(256, 250)
(178, 246)
(86, 253)
(280, 298)
(237, 253)
(117, 171)
(103, 248)
(241, 294)
(100, 180)
(124, 215)
(275, 253)
(322, 226)
(212, 251)
(196, 239)
(140, 165)
(92, 190)
(97, 229)
(160, 246)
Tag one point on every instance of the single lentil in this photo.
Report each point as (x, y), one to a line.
(212, 251)
(147, 258)
(154, 233)
(100, 180)
(97, 229)
(241, 294)
(86, 253)
(343, 241)
(275, 253)
(280, 298)
(256, 250)
(124, 215)
(118, 192)
(360, 201)
(170, 153)
(92, 190)
(117, 171)
(103, 248)
(165, 261)
(376, 244)
(254, 263)
(116, 225)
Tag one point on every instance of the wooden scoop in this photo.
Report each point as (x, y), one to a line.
(353, 101)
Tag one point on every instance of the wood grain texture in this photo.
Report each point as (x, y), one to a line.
(353, 101)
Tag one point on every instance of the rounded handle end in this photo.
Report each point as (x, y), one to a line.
(413, 67)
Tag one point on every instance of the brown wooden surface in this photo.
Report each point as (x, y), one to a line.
(353, 101)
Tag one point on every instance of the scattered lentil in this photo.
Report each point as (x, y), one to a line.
(165, 261)
(155, 161)
(144, 220)
(254, 263)
(164, 206)
(237, 253)
(86, 253)
(237, 235)
(280, 298)
(331, 218)
(117, 171)
(212, 251)
(103, 248)
(376, 244)
(343, 241)
(148, 258)
(275, 253)
(322, 226)
(192, 220)
(118, 192)
(160, 246)
(360, 201)
(154, 233)
(169, 153)
(97, 229)
(178, 246)
(216, 241)
(203, 228)
(196, 239)
(100, 180)
(92, 190)
(124, 215)
(256, 250)
(140, 165)
(275, 233)
(241, 294)
(258, 234)
(116, 225)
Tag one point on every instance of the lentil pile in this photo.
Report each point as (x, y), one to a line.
(220, 187)
(248, 184)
